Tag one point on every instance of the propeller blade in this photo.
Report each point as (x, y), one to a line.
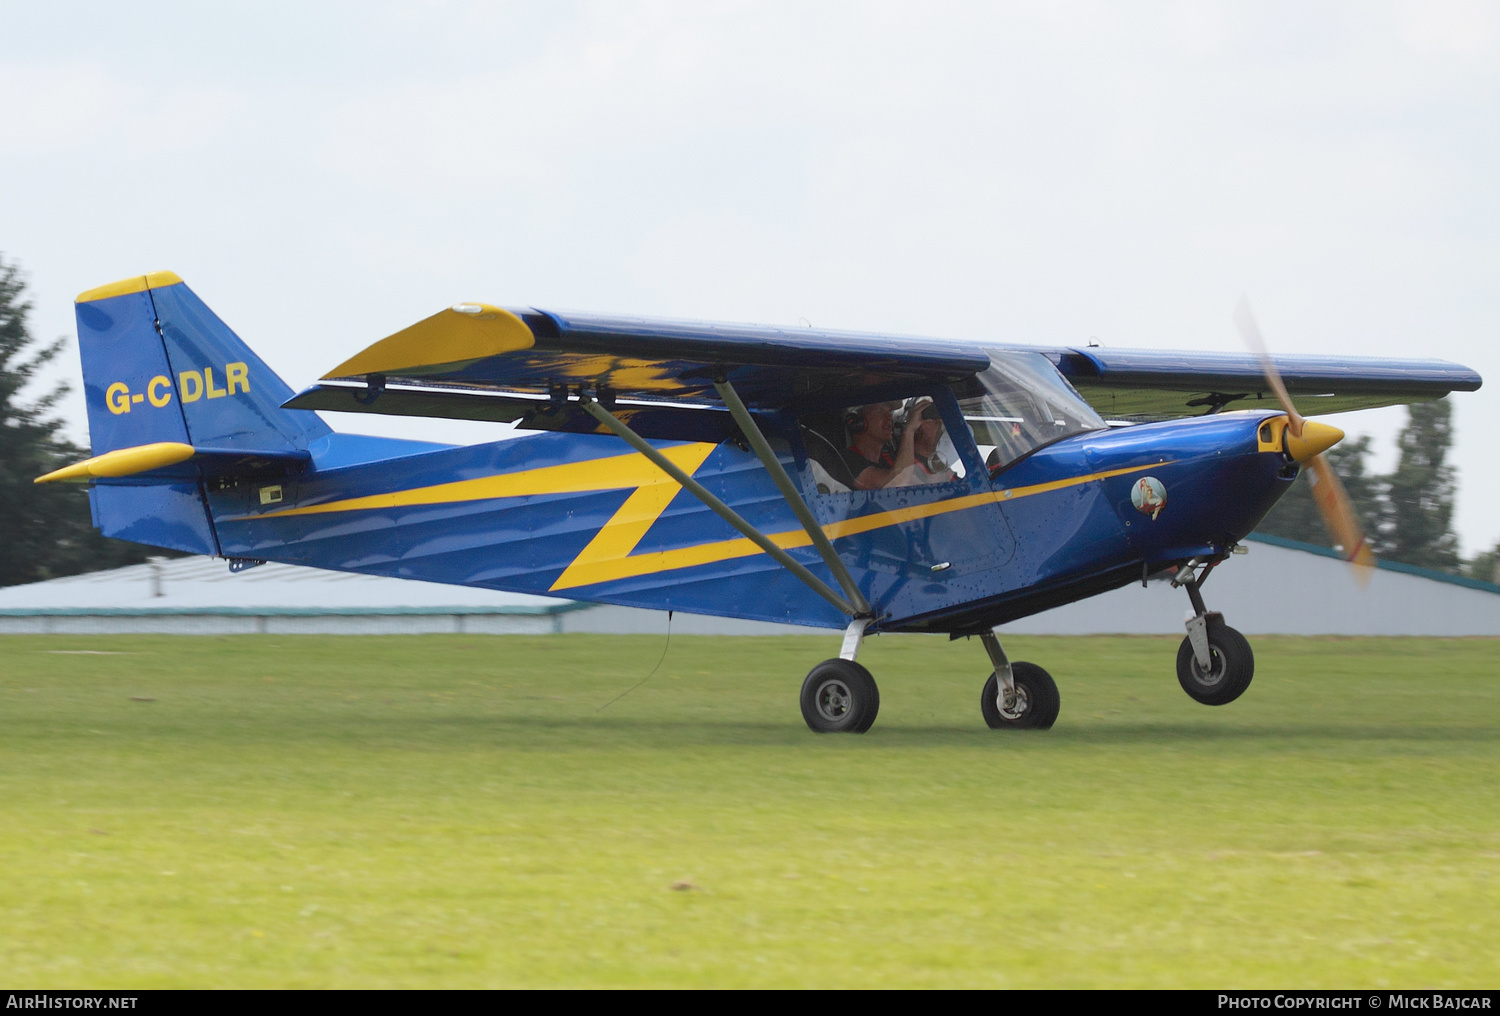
(1338, 515)
(1306, 442)
(1244, 320)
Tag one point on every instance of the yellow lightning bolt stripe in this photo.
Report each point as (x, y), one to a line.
(613, 473)
(607, 558)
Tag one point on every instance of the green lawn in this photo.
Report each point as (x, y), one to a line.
(457, 811)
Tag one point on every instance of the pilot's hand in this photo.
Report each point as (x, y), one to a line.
(909, 432)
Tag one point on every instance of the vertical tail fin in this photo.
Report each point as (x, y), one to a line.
(159, 366)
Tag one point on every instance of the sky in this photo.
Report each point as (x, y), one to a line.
(325, 174)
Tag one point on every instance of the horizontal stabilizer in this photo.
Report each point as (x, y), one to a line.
(173, 460)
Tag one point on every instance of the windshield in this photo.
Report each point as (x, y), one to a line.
(1019, 404)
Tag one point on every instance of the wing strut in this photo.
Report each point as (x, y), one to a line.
(728, 514)
(793, 497)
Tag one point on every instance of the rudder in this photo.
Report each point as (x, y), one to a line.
(160, 367)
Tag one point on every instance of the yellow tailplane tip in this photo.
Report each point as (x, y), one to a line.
(122, 462)
(134, 284)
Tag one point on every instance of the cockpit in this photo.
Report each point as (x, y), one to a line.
(1018, 405)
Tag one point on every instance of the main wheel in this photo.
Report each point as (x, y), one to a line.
(1231, 666)
(840, 696)
(1037, 701)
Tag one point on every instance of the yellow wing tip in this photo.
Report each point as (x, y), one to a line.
(463, 333)
(134, 284)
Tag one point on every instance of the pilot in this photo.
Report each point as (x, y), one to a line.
(871, 457)
(927, 465)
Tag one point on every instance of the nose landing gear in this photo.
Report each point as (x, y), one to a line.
(1215, 662)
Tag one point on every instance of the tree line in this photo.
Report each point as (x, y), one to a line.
(48, 531)
(1407, 514)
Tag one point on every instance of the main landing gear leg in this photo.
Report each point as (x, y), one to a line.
(1214, 663)
(1017, 696)
(840, 695)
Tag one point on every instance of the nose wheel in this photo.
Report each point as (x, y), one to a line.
(1215, 662)
(1231, 664)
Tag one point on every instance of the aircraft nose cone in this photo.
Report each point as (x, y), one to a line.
(1316, 438)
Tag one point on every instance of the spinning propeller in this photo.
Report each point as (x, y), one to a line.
(1306, 440)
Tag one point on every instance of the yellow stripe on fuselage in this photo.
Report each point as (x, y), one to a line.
(614, 473)
(610, 556)
(616, 566)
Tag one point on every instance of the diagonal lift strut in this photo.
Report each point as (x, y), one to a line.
(793, 496)
(728, 514)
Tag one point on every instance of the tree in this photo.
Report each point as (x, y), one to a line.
(1486, 567)
(1420, 493)
(48, 530)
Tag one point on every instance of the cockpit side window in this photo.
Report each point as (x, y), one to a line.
(879, 445)
(1020, 404)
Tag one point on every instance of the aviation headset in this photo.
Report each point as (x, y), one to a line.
(856, 423)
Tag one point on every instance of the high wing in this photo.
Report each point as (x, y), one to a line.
(481, 362)
(1152, 384)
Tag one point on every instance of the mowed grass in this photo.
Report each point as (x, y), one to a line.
(459, 811)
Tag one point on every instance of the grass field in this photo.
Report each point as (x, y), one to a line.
(458, 811)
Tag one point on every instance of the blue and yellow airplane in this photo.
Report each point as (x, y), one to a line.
(870, 483)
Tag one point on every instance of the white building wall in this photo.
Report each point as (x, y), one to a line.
(1272, 589)
(1276, 590)
(611, 620)
(273, 624)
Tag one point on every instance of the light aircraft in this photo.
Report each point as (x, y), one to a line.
(870, 483)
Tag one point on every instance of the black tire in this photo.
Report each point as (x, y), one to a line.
(840, 696)
(1233, 665)
(1037, 700)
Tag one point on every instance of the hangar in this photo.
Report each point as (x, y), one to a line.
(1279, 587)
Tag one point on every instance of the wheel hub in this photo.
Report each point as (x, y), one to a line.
(1215, 673)
(834, 699)
(1013, 703)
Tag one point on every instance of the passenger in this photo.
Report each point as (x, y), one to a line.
(927, 465)
(871, 459)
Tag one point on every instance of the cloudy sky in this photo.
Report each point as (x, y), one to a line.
(325, 174)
